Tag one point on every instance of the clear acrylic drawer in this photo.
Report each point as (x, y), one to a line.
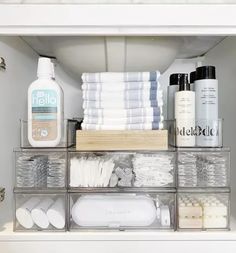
(40, 168)
(40, 211)
(122, 169)
(122, 211)
(67, 136)
(204, 210)
(203, 167)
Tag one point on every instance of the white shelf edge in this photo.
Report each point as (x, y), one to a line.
(8, 235)
(199, 19)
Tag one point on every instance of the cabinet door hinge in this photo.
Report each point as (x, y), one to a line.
(2, 64)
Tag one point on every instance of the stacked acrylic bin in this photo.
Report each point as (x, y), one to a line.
(59, 189)
(203, 181)
(122, 190)
(41, 183)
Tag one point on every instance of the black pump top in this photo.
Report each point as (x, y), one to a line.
(175, 78)
(205, 72)
(184, 84)
(192, 76)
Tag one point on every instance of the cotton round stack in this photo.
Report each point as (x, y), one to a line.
(122, 101)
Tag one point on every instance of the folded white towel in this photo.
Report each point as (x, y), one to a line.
(129, 104)
(120, 77)
(123, 113)
(146, 126)
(121, 121)
(123, 95)
(120, 86)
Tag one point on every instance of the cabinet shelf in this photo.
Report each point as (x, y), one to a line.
(8, 235)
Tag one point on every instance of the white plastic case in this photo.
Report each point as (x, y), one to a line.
(121, 211)
(114, 211)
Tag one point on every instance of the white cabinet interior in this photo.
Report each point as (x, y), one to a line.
(118, 1)
(21, 55)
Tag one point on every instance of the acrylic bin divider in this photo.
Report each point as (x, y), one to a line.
(202, 133)
(203, 167)
(122, 211)
(68, 134)
(203, 209)
(122, 169)
(40, 211)
(40, 168)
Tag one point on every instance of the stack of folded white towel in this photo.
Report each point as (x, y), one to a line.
(122, 101)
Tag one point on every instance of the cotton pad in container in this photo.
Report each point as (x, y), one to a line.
(128, 210)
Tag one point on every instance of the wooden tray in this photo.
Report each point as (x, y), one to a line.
(122, 140)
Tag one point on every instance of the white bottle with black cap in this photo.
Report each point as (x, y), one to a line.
(171, 90)
(185, 114)
(206, 89)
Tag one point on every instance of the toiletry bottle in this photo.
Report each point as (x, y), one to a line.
(171, 90)
(192, 78)
(206, 90)
(45, 108)
(185, 114)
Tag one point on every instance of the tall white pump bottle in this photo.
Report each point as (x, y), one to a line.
(45, 108)
(185, 114)
(171, 90)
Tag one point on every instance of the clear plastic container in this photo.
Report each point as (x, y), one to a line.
(40, 168)
(68, 135)
(40, 212)
(122, 169)
(122, 211)
(201, 167)
(203, 210)
(206, 133)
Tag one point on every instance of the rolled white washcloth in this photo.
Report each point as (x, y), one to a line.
(56, 214)
(23, 213)
(39, 213)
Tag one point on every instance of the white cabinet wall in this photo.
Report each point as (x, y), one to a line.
(118, 1)
(21, 63)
